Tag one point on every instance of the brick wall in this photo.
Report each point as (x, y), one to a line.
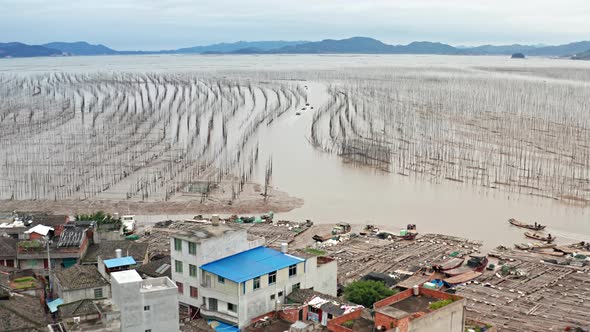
(392, 299)
(334, 325)
(438, 294)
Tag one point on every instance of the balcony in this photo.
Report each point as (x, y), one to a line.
(214, 314)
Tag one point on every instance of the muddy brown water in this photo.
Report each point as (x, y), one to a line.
(334, 191)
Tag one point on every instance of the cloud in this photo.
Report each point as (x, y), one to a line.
(155, 24)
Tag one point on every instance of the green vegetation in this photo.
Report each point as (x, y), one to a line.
(33, 244)
(348, 324)
(315, 252)
(24, 282)
(439, 304)
(367, 292)
(101, 218)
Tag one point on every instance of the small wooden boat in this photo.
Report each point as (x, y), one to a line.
(322, 238)
(475, 263)
(408, 236)
(534, 227)
(532, 246)
(448, 264)
(540, 237)
(462, 278)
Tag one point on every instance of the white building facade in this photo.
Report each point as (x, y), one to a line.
(146, 305)
(222, 275)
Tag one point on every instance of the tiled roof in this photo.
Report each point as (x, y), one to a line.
(71, 237)
(106, 250)
(157, 268)
(22, 313)
(80, 277)
(78, 308)
(8, 247)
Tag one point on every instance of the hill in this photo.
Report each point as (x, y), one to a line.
(16, 50)
(562, 50)
(582, 56)
(81, 48)
(260, 46)
(498, 49)
(360, 45)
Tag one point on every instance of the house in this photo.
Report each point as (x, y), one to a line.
(8, 251)
(107, 250)
(107, 267)
(145, 304)
(80, 282)
(15, 225)
(418, 309)
(156, 269)
(65, 250)
(310, 305)
(222, 275)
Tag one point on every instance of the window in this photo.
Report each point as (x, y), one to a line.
(232, 307)
(272, 297)
(180, 287)
(146, 308)
(256, 283)
(178, 244)
(296, 286)
(330, 316)
(292, 270)
(272, 277)
(98, 293)
(178, 266)
(221, 279)
(194, 292)
(280, 294)
(192, 248)
(192, 270)
(148, 330)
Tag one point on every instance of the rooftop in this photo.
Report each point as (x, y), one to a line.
(22, 313)
(106, 250)
(39, 229)
(118, 262)
(72, 236)
(197, 231)
(250, 264)
(151, 284)
(78, 308)
(157, 268)
(408, 306)
(80, 277)
(123, 277)
(8, 247)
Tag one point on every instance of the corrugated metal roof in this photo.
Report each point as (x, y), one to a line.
(250, 264)
(116, 262)
(52, 305)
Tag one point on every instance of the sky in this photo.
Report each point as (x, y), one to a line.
(170, 24)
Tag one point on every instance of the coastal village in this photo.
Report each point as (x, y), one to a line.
(100, 272)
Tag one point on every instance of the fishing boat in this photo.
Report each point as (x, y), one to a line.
(534, 227)
(448, 264)
(475, 263)
(462, 278)
(407, 236)
(540, 237)
(531, 246)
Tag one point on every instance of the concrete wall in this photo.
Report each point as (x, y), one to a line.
(81, 294)
(323, 277)
(131, 299)
(334, 325)
(450, 318)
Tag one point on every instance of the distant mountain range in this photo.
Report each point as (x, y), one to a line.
(582, 56)
(355, 45)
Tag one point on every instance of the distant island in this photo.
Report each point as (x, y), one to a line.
(518, 56)
(354, 45)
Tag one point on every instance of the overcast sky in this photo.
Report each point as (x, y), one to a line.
(167, 24)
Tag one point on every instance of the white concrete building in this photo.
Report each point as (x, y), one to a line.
(224, 276)
(148, 305)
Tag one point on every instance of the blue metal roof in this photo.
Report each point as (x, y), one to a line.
(116, 262)
(250, 264)
(52, 305)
